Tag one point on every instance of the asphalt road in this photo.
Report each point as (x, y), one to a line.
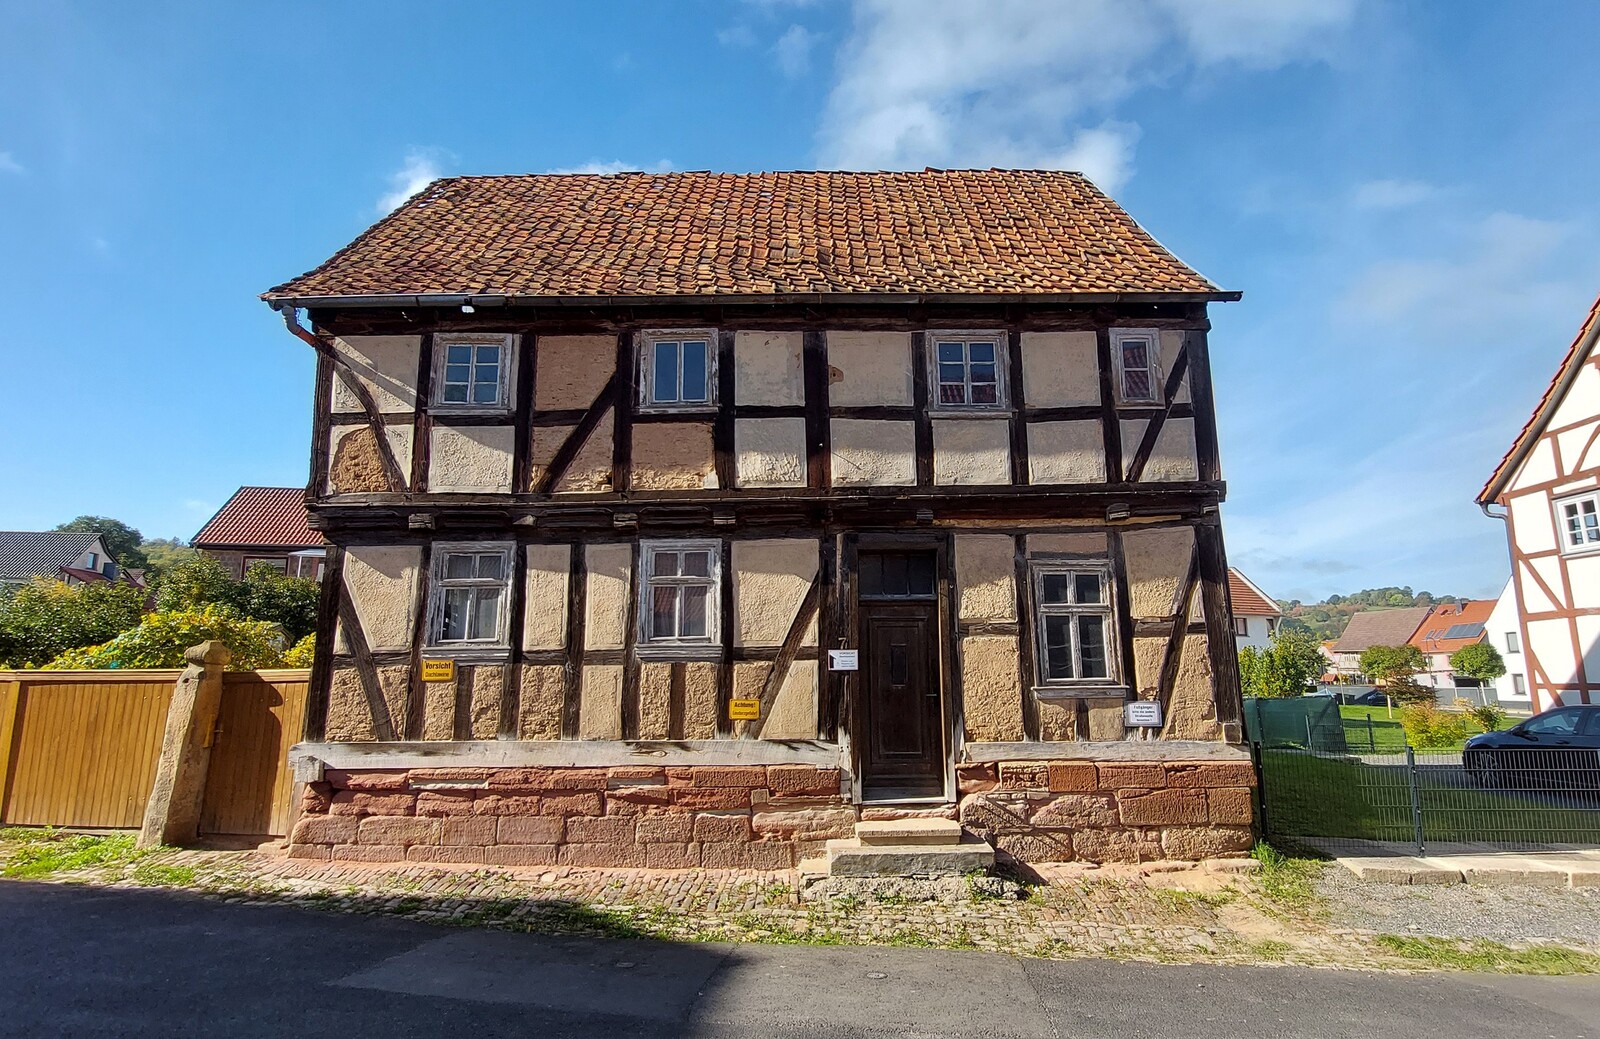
(96, 962)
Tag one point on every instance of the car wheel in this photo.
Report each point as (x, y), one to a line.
(1483, 770)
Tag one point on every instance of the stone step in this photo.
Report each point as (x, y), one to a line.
(909, 831)
(849, 857)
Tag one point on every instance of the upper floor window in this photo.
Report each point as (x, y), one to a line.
(1579, 519)
(1072, 621)
(1136, 353)
(468, 597)
(94, 561)
(1512, 644)
(967, 370)
(1241, 626)
(679, 596)
(472, 372)
(679, 370)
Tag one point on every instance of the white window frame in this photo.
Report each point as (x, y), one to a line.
(645, 359)
(1152, 337)
(1038, 570)
(1591, 497)
(438, 585)
(1241, 626)
(1513, 642)
(647, 645)
(442, 342)
(1519, 685)
(278, 563)
(999, 340)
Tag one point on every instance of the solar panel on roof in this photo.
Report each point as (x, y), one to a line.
(1464, 631)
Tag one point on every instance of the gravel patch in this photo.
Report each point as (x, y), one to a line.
(1499, 913)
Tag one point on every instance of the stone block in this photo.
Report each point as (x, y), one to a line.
(528, 829)
(325, 829)
(460, 831)
(726, 855)
(605, 830)
(1162, 807)
(1115, 846)
(994, 814)
(1193, 843)
(709, 827)
(455, 853)
(450, 775)
(321, 852)
(315, 799)
(771, 855)
(892, 832)
(802, 781)
(1024, 776)
(1231, 806)
(635, 775)
(974, 779)
(446, 802)
(398, 830)
(602, 855)
(711, 798)
(369, 852)
(507, 804)
(1036, 847)
(1073, 777)
(637, 795)
(540, 780)
(885, 813)
(571, 804)
(371, 782)
(1143, 777)
(520, 855)
(744, 776)
(671, 856)
(355, 802)
(664, 829)
(805, 823)
(1211, 774)
(1076, 811)
(850, 858)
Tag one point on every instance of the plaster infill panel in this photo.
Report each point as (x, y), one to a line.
(986, 577)
(770, 581)
(793, 715)
(589, 471)
(471, 459)
(381, 582)
(386, 365)
(1158, 563)
(544, 623)
(1533, 519)
(353, 463)
(572, 370)
(971, 452)
(991, 687)
(1086, 544)
(1171, 346)
(1066, 452)
(605, 619)
(767, 368)
(1060, 369)
(867, 369)
(873, 453)
(675, 456)
(600, 702)
(1173, 455)
(770, 452)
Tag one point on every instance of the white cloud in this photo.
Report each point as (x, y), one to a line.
(1023, 83)
(793, 51)
(737, 36)
(419, 170)
(614, 166)
(1391, 194)
(9, 164)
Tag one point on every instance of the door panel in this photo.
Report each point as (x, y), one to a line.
(902, 723)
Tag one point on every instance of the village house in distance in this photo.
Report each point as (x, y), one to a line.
(715, 520)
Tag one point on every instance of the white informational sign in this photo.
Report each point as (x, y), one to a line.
(1142, 714)
(844, 660)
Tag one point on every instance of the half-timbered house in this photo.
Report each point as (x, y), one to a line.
(692, 519)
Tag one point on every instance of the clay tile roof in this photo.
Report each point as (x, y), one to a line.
(582, 236)
(1370, 628)
(1581, 346)
(266, 517)
(1248, 600)
(1463, 622)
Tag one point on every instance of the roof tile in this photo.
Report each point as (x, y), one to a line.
(260, 516)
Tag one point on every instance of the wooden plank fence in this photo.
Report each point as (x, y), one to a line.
(79, 748)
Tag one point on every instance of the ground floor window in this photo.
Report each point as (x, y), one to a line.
(679, 595)
(1072, 616)
(469, 594)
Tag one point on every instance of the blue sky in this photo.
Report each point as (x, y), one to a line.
(1403, 191)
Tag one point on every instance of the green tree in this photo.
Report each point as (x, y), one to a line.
(192, 583)
(38, 621)
(1479, 660)
(121, 540)
(1387, 665)
(165, 553)
(263, 595)
(161, 637)
(1289, 666)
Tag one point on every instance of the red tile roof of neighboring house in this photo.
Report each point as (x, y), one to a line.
(1248, 600)
(1581, 347)
(933, 232)
(1465, 619)
(1369, 628)
(265, 517)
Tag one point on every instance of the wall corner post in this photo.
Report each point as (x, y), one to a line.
(172, 814)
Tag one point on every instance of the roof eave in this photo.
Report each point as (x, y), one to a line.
(279, 301)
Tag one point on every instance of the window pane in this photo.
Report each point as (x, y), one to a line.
(870, 574)
(984, 393)
(694, 372)
(919, 577)
(950, 352)
(486, 617)
(692, 620)
(1087, 587)
(491, 566)
(664, 385)
(952, 393)
(488, 354)
(461, 373)
(1092, 645)
(983, 372)
(1053, 588)
(1136, 385)
(456, 604)
(664, 564)
(455, 393)
(951, 372)
(1058, 647)
(896, 578)
(697, 564)
(983, 352)
(486, 392)
(459, 355)
(458, 566)
(663, 612)
(1135, 354)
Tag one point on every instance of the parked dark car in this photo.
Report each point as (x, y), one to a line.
(1370, 698)
(1558, 748)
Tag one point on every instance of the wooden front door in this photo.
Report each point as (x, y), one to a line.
(902, 722)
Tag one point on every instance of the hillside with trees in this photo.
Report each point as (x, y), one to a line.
(1328, 619)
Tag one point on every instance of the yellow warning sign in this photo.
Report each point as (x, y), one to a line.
(438, 670)
(744, 710)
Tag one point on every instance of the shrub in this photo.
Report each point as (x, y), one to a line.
(161, 638)
(263, 595)
(1488, 716)
(301, 653)
(1428, 728)
(41, 620)
(1409, 691)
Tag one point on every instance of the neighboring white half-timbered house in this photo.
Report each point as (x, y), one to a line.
(691, 519)
(1548, 490)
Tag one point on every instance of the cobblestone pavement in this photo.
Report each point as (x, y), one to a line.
(1157, 913)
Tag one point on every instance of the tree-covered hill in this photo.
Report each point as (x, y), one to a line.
(1328, 618)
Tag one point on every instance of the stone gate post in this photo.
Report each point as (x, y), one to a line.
(172, 815)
